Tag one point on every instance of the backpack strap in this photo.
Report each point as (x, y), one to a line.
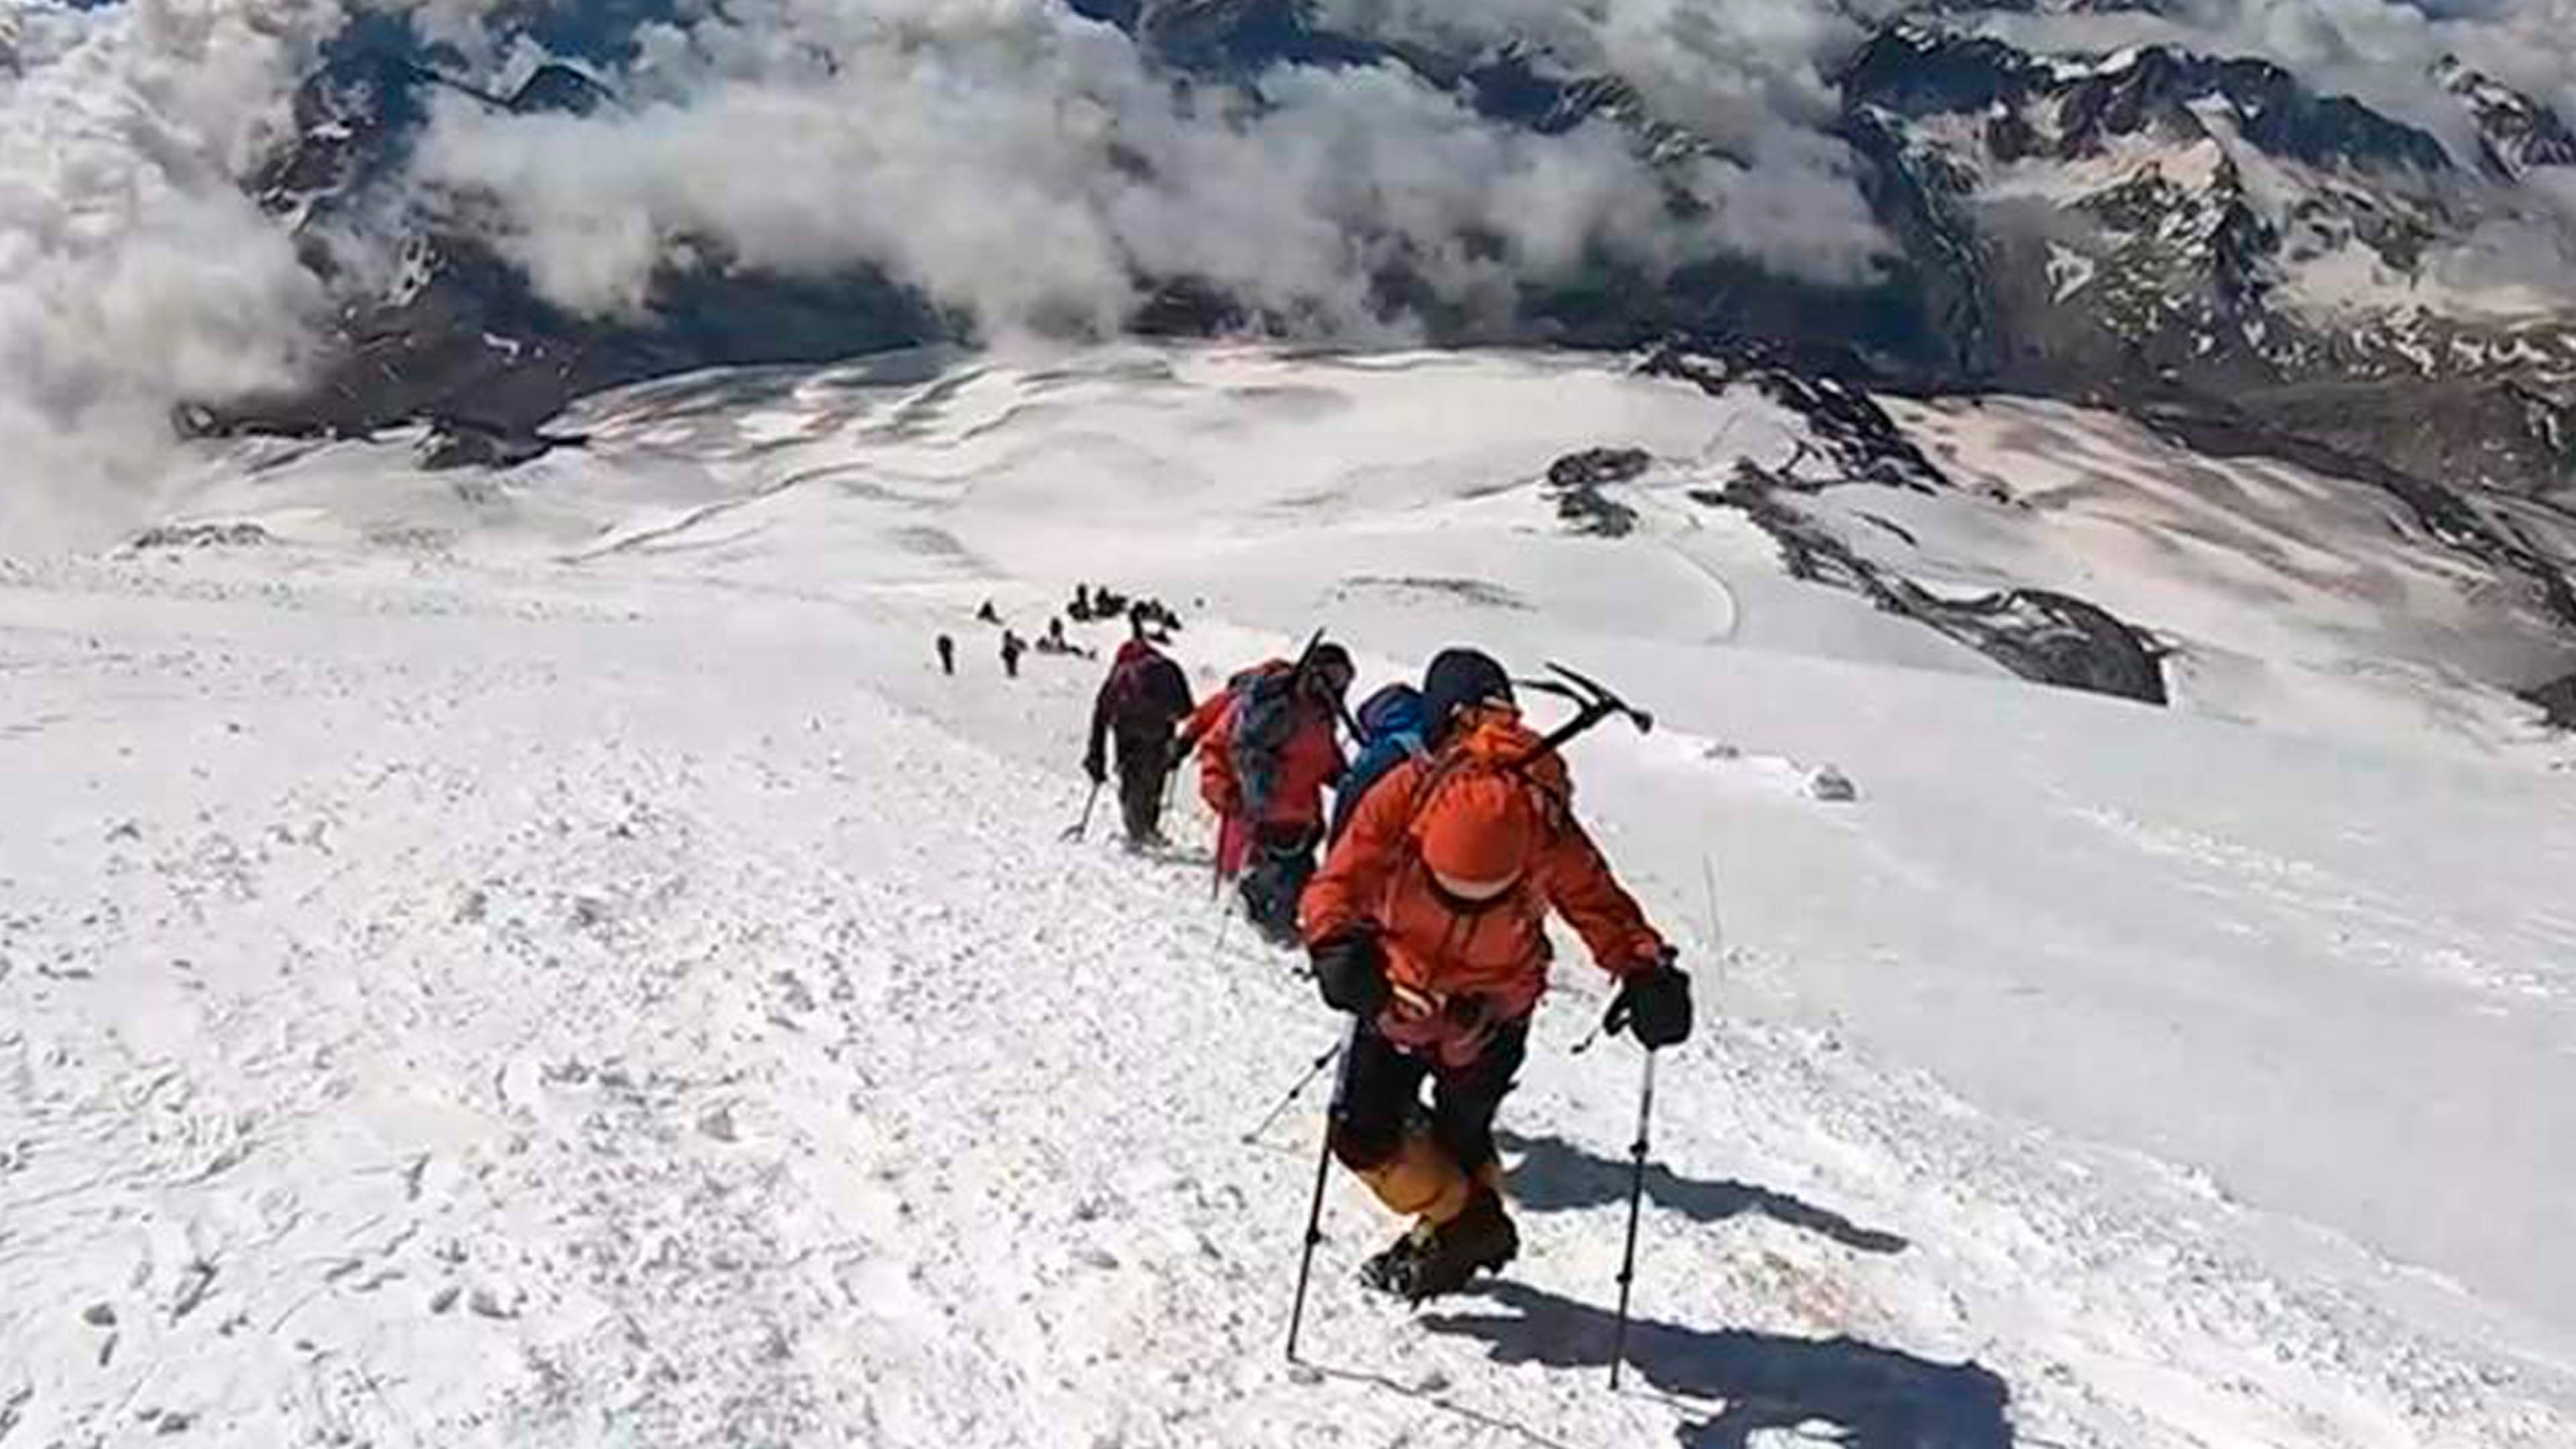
(1556, 811)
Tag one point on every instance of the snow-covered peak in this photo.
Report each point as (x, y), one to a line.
(2231, 228)
(2516, 133)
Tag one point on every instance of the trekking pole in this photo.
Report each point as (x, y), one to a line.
(1323, 1168)
(1216, 858)
(1082, 827)
(1312, 1072)
(1636, 1195)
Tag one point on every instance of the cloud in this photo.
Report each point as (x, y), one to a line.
(1025, 166)
(1014, 162)
(132, 270)
(1007, 158)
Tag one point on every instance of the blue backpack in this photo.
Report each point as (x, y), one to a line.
(1392, 723)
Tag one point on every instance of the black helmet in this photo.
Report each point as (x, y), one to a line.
(1458, 679)
(1329, 667)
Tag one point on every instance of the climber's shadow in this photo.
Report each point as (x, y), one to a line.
(1554, 1175)
(1876, 1398)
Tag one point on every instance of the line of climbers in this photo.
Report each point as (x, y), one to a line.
(1147, 619)
(1451, 837)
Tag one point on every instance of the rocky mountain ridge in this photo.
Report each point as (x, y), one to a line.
(2204, 242)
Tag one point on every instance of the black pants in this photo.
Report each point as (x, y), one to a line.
(1274, 879)
(1143, 766)
(1384, 1091)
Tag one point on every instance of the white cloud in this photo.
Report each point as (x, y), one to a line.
(1004, 157)
(1016, 162)
(133, 272)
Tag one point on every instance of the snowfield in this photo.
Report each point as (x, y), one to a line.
(544, 958)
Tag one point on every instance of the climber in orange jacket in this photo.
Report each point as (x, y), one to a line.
(1428, 923)
(1267, 752)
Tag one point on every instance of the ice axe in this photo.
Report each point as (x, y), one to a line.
(1593, 702)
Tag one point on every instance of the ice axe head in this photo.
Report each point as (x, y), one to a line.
(1594, 693)
(1593, 703)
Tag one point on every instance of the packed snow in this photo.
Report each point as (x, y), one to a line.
(545, 958)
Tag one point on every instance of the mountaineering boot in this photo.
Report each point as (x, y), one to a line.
(1390, 1270)
(1273, 916)
(1436, 1259)
(1283, 934)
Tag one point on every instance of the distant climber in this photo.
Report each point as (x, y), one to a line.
(1144, 698)
(1428, 923)
(988, 614)
(1012, 649)
(1269, 752)
(1081, 608)
(947, 656)
(1054, 642)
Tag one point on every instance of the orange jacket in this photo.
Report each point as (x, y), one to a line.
(1310, 760)
(1374, 880)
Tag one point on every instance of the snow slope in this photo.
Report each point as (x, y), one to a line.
(2300, 601)
(551, 962)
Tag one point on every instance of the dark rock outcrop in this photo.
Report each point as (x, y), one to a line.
(463, 443)
(1577, 480)
(2043, 636)
(2557, 701)
(203, 535)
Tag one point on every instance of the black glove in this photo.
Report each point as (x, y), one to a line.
(1656, 1003)
(1097, 768)
(1351, 972)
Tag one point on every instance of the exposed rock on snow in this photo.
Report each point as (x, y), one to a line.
(1577, 480)
(1831, 785)
(462, 443)
(1848, 437)
(2038, 634)
(1595, 466)
(2516, 134)
(2558, 698)
(202, 535)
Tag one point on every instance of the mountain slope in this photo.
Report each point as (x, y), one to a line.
(754, 1065)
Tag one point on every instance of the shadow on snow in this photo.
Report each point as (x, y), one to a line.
(1877, 1398)
(1554, 1175)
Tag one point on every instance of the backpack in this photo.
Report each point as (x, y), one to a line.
(1490, 739)
(1146, 690)
(1262, 719)
(1391, 731)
